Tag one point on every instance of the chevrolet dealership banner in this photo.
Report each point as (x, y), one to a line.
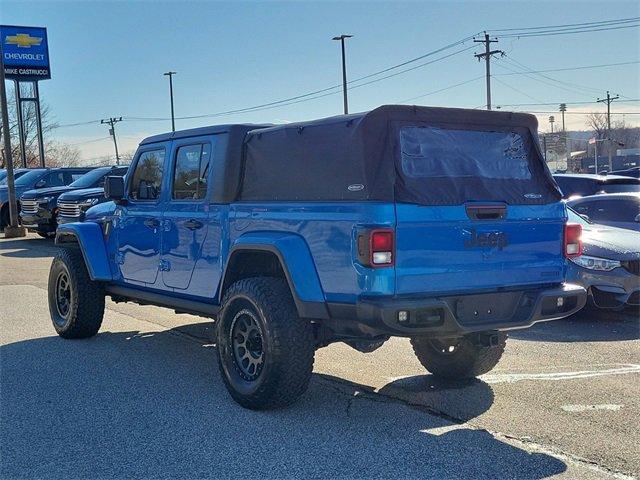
(25, 53)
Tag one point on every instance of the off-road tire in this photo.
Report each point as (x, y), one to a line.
(286, 341)
(467, 360)
(85, 298)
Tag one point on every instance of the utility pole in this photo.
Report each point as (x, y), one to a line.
(608, 101)
(563, 108)
(12, 230)
(112, 131)
(552, 119)
(487, 58)
(173, 119)
(341, 38)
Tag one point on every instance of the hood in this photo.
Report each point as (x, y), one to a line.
(83, 194)
(610, 242)
(100, 211)
(45, 192)
(4, 192)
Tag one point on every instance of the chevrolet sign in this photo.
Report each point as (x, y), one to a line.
(25, 53)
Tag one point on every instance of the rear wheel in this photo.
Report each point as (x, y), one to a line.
(459, 358)
(76, 303)
(265, 350)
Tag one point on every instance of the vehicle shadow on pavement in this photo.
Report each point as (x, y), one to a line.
(136, 404)
(584, 326)
(28, 248)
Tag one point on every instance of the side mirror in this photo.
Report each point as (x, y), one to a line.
(114, 188)
(40, 184)
(585, 216)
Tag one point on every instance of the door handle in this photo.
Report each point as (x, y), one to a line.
(193, 224)
(152, 222)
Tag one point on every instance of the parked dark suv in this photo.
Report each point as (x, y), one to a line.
(39, 179)
(38, 208)
(587, 184)
(72, 205)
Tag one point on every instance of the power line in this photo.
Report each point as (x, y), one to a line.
(583, 24)
(566, 32)
(583, 67)
(530, 70)
(543, 81)
(555, 103)
(309, 96)
(53, 127)
(516, 90)
(88, 141)
(441, 90)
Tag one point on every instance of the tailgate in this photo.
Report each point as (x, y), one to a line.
(445, 249)
(476, 209)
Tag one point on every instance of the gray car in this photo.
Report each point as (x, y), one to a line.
(620, 210)
(609, 267)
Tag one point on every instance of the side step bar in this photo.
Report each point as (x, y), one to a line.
(180, 305)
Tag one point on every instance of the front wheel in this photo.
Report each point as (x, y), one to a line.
(460, 358)
(76, 303)
(265, 350)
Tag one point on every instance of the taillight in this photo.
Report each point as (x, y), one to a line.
(376, 248)
(572, 240)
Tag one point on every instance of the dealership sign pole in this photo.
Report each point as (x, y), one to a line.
(25, 56)
(12, 229)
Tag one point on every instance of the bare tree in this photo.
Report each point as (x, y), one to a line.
(597, 122)
(56, 153)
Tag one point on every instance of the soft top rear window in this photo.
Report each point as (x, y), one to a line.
(436, 152)
(452, 166)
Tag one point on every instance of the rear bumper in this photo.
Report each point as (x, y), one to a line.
(462, 314)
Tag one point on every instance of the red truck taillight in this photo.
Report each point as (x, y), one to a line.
(572, 240)
(376, 247)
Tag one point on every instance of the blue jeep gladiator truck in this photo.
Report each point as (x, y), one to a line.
(440, 225)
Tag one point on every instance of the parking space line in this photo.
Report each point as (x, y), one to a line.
(555, 376)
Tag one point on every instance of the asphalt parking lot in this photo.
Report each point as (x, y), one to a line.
(144, 399)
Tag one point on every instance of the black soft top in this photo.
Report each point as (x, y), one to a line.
(356, 157)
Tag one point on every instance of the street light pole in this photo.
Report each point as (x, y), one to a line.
(173, 120)
(341, 38)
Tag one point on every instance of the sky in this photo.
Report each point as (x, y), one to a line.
(108, 60)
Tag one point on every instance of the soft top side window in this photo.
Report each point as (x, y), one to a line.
(147, 177)
(191, 171)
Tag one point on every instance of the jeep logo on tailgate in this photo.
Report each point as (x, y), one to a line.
(486, 239)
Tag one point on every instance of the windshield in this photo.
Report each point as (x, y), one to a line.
(574, 217)
(89, 179)
(30, 178)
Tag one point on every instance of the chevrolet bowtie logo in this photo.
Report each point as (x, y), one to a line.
(23, 40)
